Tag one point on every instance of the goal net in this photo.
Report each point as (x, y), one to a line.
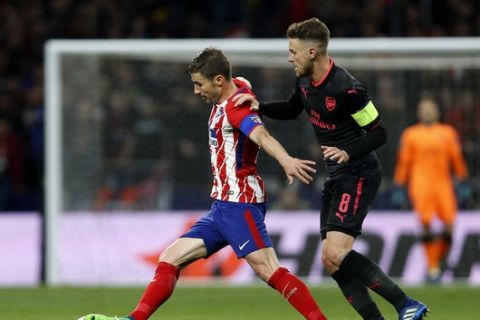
(125, 131)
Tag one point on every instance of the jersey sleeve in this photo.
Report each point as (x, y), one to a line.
(241, 82)
(360, 106)
(241, 117)
(283, 110)
(404, 158)
(456, 156)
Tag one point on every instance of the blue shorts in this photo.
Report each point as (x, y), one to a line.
(240, 225)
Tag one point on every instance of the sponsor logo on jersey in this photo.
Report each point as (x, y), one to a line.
(330, 103)
(322, 124)
(213, 138)
(219, 113)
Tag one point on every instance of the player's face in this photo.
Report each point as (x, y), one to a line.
(299, 56)
(206, 89)
(428, 111)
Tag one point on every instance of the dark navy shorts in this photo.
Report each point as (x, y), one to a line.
(346, 201)
(240, 225)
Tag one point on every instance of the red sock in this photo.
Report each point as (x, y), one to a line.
(296, 293)
(157, 292)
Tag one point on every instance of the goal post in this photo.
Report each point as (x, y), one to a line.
(81, 90)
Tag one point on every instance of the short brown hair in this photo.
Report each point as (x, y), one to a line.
(211, 62)
(311, 29)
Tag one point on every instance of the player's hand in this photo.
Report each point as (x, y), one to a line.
(399, 197)
(300, 169)
(240, 99)
(335, 154)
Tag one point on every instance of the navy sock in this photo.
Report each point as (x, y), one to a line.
(370, 275)
(357, 295)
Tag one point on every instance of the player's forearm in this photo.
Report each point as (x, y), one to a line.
(273, 148)
(269, 144)
(282, 110)
(371, 141)
(293, 167)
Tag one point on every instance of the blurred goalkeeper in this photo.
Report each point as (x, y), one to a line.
(238, 211)
(348, 130)
(429, 154)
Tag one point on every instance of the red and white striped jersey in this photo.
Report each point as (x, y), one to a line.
(233, 155)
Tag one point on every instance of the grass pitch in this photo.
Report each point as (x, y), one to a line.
(215, 303)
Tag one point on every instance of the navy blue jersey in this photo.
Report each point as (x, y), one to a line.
(339, 109)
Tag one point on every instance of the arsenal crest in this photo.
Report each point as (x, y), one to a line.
(330, 103)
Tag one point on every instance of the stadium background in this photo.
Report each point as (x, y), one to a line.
(136, 146)
(163, 172)
(25, 26)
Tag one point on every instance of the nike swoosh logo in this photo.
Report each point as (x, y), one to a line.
(243, 245)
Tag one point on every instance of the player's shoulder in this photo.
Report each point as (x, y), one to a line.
(341, 74)
(345, 82)
(413, 131)
(242, 82)
(231, 104)
(448, 129)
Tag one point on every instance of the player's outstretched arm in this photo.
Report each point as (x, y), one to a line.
(280, 110)
(293, 167)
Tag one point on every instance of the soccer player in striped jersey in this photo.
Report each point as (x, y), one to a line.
(236, 218)
(348, 130)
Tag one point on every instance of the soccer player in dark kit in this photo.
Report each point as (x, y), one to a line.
(348, 129)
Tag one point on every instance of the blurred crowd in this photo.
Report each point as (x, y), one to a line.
(25, 26)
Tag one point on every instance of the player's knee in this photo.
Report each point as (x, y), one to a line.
(263, 271)
(446, 236)
(332, 258)
(172, 257)
(265, 268)
(427, 236)
(165, 256)
(263, 262)
(329, 266)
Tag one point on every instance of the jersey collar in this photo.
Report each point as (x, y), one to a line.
(331, 63)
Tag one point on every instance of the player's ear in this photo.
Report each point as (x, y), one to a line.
(312, 52)
(219, 80)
